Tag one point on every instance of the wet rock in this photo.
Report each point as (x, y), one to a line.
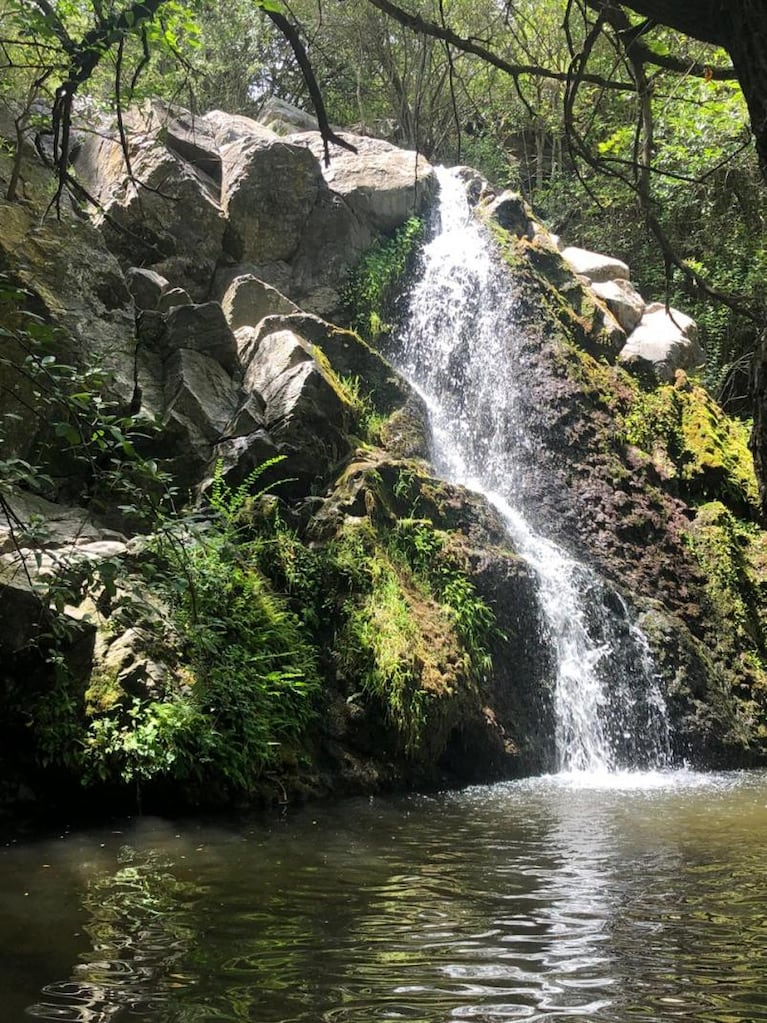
(512, 213)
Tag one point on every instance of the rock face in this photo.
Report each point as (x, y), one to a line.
(204, 286)
(633, 465)
(215, 190)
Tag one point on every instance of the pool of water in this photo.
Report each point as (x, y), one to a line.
(629, 898)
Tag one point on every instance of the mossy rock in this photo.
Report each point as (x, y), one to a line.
(549, 289)
(691, 439)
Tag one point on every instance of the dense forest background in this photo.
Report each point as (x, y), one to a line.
(625, 135)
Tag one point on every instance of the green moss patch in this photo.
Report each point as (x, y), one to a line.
(690, 439)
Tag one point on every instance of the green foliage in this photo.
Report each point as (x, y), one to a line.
(426, 551)
(413, 630)
(146, 740)
(228, 503)
(374, 284)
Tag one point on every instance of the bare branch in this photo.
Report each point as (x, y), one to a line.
(290, 32)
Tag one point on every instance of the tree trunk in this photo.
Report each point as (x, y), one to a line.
(747, 46)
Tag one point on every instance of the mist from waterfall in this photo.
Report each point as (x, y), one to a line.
(460, 347)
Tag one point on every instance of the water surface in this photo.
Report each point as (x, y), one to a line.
(629, 899)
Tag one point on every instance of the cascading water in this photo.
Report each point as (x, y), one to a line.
(460, 349)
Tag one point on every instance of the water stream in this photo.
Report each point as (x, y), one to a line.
(461, 348)
(544, 901)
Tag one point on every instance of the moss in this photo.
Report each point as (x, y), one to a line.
(725, 547)
(412, 634)
(375, 283)
(104, 692)
(548, 285)
(690, 439)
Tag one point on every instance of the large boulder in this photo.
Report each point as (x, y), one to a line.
(336, 238)
(382, 184)
(306, 410)
(284, 118)
(511, 212)
(226, 128)
(247, 300)
(665, 341)
(201, 328)
(623, 301)
(167, 215)
(594, 265)
(269, 187)
(201, 391)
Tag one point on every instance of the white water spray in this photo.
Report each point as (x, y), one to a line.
(459, 347)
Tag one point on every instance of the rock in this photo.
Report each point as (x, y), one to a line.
(283, 117)
(349, 356)
(247, 300)
(122, 665)
(194, 140)
(240, 455)
(169, 209)
(306, 413)
(84, 294)
(334, 240)
(146, 287)
(24, 615)
(594, 265)
(666, 341)
(45, 524)
(202, 328)
(232, 127)
(201, 391)
(171, 298)
(511, 212)
(758, 442)
(477, 187)
(623, 301)
(382, 184)
(269, 188)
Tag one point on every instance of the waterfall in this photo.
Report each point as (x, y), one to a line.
(461, 350)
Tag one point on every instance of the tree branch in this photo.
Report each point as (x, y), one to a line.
(290, 32)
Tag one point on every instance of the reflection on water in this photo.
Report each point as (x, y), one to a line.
(138, 938)
(641, 898)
